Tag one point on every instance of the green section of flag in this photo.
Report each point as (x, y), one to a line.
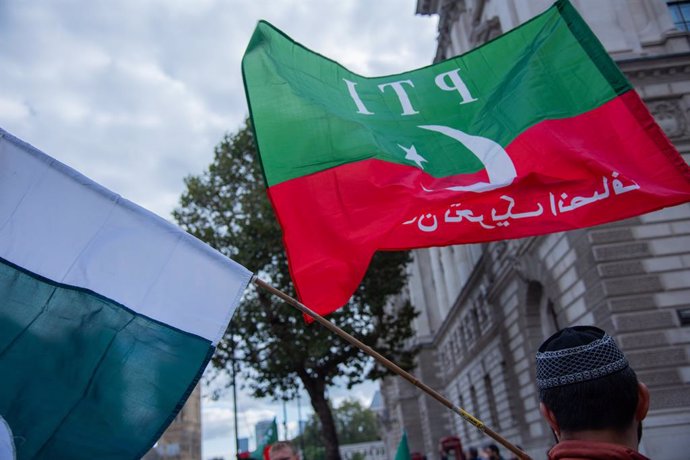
(83, 377)
(593, 47)
(403, 452)
(308, 118)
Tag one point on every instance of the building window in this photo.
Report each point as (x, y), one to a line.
(680, 13)
(684, 316)
(475, 402)
(461, 423)
(491, 400)
(536, 297)
(552, 316)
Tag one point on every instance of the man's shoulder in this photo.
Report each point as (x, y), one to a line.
(592, 450)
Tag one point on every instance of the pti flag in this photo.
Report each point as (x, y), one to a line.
(108, 313)
(535, 132)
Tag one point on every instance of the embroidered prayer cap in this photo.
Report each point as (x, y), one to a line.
(577, 354)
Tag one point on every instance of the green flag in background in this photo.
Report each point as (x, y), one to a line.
(403, 452)
(264, 441)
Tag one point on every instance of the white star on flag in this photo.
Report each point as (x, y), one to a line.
(412, 155)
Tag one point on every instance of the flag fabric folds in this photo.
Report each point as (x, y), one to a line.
(108, 313)
(537, 131)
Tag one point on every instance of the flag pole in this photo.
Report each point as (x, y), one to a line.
(392, 367)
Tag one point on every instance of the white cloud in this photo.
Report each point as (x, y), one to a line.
(12, 109)
(136, 93)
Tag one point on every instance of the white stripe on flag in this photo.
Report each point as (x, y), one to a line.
(59, 224)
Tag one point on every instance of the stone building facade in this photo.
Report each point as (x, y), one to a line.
(182, 439)
(486, 308)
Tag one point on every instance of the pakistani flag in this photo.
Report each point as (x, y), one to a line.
(108, 313)
(534, 132)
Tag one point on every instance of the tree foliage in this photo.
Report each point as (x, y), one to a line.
(227, 206)
(354, 424)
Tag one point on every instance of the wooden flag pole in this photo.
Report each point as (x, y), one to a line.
(392, 367)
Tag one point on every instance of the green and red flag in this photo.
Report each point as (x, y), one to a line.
(537, 131)
(264, 442)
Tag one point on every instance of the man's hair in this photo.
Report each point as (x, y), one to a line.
(282, 445)
(493, 448)
(606, 402)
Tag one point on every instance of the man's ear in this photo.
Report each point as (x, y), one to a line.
(642, 402)
(550, 418)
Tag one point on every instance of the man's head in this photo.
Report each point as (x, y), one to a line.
(282, 450)
(491, 452)
(586, 386)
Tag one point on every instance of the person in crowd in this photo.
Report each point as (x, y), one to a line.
(282, 450)
(491, 452)
(472, 453)
(590, 396)
(513, 456)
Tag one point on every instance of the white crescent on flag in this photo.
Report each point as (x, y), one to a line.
(499, 167)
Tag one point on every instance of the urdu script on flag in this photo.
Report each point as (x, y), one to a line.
(537, 131)
(108, 313)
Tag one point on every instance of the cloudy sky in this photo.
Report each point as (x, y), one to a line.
(136, 93)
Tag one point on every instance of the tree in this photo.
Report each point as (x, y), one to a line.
(354, 424)
(227, 207)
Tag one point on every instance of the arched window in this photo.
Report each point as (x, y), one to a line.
(538, 301)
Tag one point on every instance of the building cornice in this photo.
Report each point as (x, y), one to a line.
(652, 68)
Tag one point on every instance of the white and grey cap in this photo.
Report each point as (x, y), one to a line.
(577, 354)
